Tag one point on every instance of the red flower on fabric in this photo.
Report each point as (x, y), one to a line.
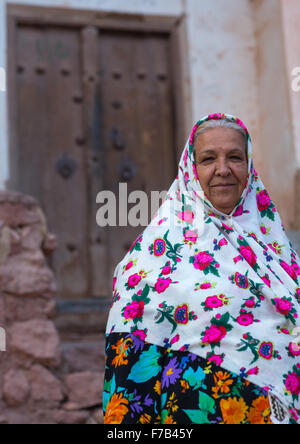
(202, 260)
(248, 254)
(283, 306)
(162, 284)
(134, 279)
(214, 334)
(134, 310)
(292, 384)
(263, 200)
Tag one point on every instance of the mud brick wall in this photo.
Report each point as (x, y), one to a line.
(40, 381)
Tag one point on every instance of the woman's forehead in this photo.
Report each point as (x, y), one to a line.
(220, 140)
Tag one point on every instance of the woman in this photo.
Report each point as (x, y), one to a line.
(206, 300)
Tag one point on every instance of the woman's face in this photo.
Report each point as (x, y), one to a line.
(222, 166)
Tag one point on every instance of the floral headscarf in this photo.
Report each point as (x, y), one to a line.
(224, 287)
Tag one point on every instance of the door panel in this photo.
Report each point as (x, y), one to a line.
(94, 108)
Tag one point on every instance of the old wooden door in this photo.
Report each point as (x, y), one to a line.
(94, 107)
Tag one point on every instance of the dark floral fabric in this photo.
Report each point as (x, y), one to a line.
(145, 384)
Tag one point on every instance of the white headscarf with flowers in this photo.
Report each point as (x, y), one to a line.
(224, 287)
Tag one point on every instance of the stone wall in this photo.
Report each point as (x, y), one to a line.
(42, 381)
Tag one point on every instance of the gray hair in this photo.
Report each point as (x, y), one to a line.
(220, 123)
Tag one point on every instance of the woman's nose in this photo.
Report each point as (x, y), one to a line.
(222, 168)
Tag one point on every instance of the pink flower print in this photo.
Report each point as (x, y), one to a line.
(114, 283)
(253, 371)
(185, 157)
(140, 334)
(191, 236)
(292, 384)
(295, 268)
(162, 284)
(263, 200)
(263, 229)
(248, 254)
(214, 334)
(288, 269)
(202, 260)
(133, 280)
(250, 303)
(195, 172)
(213, 302)
(239, 211)
(294, 349)
(223, 242)
(267, 280)
(187, 216)
(217, 359)
(245, 319)
(175, 339)
(166, 270)
(134, 310)
(193, 133)
(186, 177)
(207, 285)
(283, 306)
(129, 265)
(241, 124)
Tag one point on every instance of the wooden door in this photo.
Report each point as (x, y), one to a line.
(94, 107)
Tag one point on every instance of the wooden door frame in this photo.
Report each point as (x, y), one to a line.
(173, 26)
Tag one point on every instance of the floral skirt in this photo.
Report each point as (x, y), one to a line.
(148, 384)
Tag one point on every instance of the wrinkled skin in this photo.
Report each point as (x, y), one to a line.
(221, 158)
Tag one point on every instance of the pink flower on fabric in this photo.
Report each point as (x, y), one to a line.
(253, 371)
(140, 334)
(129, 265)
(202, 260)
(294, 349)
(162, 284)
(239, 211)
(134, 310)
(175, 339)
(288, 269)
(263, 229)
(114, 283)
(266, 281)
(245, 319)
(191, 235)
(193, 133)
(185, 157)
(296, 268)
(250, 303)
(187, 216)
(207, 285)
(292, 384)
(166, 270)
(223, 242)
(283, 306)
(186, 177)
(134, 279)
(263, 200)
(217, 359)
(248, 254)
(213, 302)
(214, 334)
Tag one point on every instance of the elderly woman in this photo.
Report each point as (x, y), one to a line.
(204, 309)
